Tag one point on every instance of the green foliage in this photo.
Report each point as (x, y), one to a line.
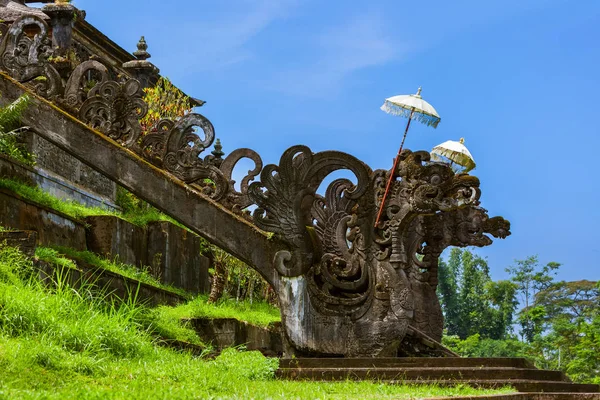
(10, 115)
(575, 299)
(585, 363)
(10, 121)
(164, 101)
(472, 303)
(128, 202)
(559, 321)
(137, 216)
(475, 346)
(70, 208)
(14, 266)
(531, 279)
(257, 313)
(76, 321)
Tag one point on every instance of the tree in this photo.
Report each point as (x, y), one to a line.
(471, 302)
(575, 299)
(530, 280)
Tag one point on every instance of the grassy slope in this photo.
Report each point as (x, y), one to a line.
(257, 313)
(64, 256)
(70, 344)
(79, 211)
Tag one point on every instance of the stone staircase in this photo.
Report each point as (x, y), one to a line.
(479, 372)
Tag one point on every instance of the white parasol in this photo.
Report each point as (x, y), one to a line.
(411, 106)
(455, 152)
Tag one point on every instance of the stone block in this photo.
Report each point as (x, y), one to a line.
(114, 237)
(26, 241)
(57, 163)
(227, 332)
(51, 183)
(175, 259)
(52, 227)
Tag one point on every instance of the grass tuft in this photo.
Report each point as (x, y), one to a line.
(258, 313)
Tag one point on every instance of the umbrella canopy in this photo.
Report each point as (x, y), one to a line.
(454, 151)
(412, 106)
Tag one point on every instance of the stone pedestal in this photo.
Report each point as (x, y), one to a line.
(62, 19)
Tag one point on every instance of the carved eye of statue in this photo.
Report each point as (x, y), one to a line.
(435, 180)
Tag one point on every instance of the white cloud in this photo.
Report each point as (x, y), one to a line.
(337, 53)
(219, 40)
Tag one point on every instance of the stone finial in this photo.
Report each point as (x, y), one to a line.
(218, 151)
(141, 53)
(140, 68)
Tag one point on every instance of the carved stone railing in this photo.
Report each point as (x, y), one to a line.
(345, 287)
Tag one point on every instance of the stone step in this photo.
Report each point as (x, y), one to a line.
(521, 385)
(526, 396)
(527, 386)
(421, 373)
(422, 362)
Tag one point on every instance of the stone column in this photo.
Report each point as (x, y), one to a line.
(62, 19)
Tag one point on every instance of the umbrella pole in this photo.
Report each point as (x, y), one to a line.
(393, 172)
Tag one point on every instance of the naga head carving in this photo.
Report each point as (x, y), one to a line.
(430, 186)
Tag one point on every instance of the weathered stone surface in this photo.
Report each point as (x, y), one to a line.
(52, 227)
(114, 237)
(26, 241)
(227, 332)
(172, 253)
(51, 183)
(55, 164)
(12, 169)
(478, 372)
(175, 259)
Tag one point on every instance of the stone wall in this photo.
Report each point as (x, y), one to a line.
(172, 253)
(114, 285)
(64, 176)
(171, 250)
(52, 227)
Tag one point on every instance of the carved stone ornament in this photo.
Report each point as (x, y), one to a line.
(25, 58)
(350, 289)
(75, 91)
(115, 109)
(345, 287)
(176, 147)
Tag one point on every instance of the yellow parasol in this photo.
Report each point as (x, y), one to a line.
(455, 152)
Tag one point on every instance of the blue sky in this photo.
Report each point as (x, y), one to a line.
(517, 79)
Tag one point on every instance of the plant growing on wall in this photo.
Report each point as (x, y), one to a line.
(10, 129)
(164, 101)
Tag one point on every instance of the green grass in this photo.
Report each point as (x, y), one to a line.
(258, 313)
(63, 343)
(64, 256)
(70, 208)
(79, 211)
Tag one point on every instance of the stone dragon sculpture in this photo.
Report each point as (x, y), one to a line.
(345, 286)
